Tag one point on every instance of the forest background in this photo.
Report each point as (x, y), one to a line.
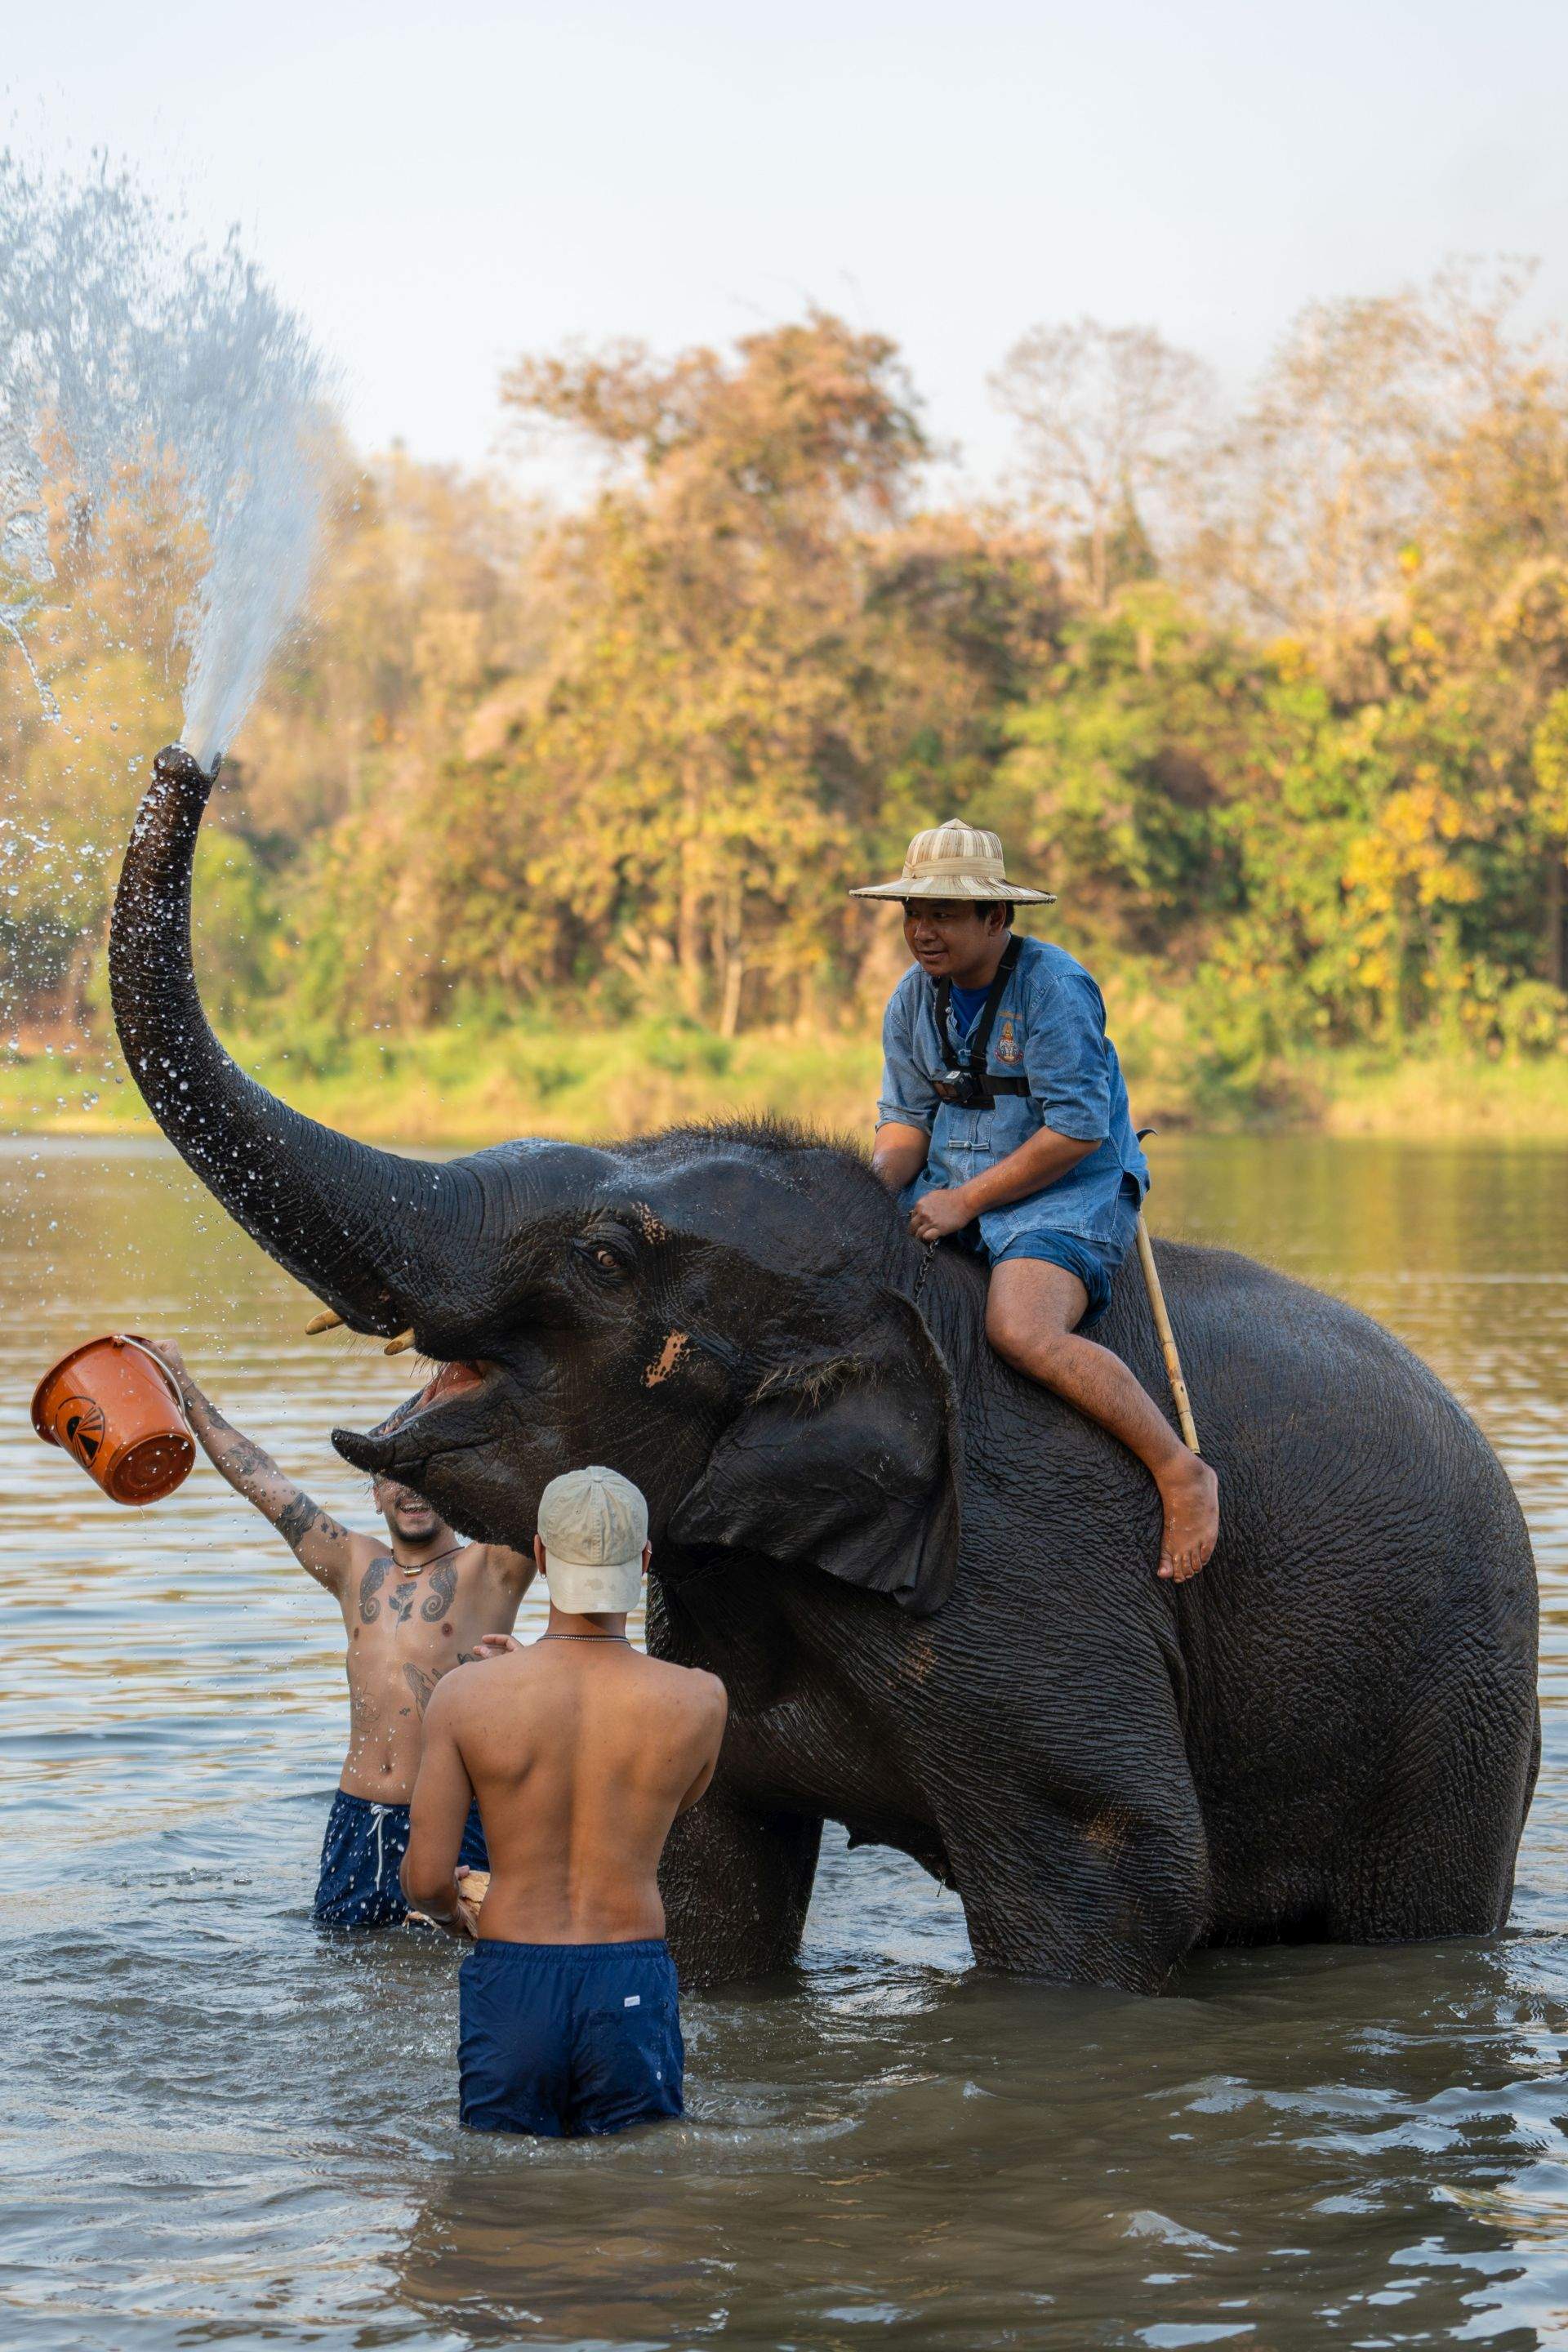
(546, 820)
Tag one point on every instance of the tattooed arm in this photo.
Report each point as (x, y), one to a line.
(314, 1536)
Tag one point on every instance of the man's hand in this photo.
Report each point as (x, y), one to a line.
(937, 1213)
(494, 1645)
(169, 1355)
(468, 1904)
(462, 1921)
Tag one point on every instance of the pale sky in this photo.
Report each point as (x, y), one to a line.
(438, 189)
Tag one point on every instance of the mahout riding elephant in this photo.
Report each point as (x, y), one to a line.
(928, 1585)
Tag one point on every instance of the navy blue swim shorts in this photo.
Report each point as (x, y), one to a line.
(362, 1855)
(563, 2039)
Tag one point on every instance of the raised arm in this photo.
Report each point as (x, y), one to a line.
(318, 1542)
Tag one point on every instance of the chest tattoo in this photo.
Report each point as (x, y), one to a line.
(442, 1584)
(370, 1585)
(420, 1684)
(399, 1598)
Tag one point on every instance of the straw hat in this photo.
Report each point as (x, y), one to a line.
(955, 861)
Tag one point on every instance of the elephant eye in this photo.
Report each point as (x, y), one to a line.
(602, 1259)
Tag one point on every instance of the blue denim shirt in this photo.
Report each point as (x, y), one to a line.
(1050, 1029)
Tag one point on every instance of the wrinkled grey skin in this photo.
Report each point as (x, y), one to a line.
(928, 1585)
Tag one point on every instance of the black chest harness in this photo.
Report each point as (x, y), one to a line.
(972, 1086)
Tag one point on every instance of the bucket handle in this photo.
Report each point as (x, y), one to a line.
(129, 1339)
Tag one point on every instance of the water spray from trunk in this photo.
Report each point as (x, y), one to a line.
(126, 353)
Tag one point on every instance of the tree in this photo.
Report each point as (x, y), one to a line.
(734, 676)
(1107, 413)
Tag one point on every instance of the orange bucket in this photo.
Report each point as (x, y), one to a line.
(112, 1405)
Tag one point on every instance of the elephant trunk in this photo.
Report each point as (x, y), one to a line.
(373, 1234)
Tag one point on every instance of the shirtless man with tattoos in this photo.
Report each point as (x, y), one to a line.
(413, 1606)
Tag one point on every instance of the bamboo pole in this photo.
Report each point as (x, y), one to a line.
(1167, 1337)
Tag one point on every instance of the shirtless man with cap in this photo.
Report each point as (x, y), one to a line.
(415, 1603)
(581, 1753)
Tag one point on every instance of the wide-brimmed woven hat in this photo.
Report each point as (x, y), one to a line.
(955, 861)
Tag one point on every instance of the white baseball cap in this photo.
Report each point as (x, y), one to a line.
(593, 1524)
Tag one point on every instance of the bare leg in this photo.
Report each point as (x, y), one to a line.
(1031, 1320)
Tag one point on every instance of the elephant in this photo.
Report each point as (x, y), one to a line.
(928, 1585)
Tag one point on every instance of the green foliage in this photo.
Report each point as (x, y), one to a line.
(1295, 760)
(239, 946)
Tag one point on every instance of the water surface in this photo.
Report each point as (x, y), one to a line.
(220, 2129)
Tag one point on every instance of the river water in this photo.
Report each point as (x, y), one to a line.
(220, 2129)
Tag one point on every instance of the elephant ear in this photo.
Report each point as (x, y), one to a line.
(849, 1464)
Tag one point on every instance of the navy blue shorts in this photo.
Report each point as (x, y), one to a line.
(563, 2039)
(362, 1855)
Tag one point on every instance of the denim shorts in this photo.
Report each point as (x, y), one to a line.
(1093, 1259)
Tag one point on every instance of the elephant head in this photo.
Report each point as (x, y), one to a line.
(721, 1314)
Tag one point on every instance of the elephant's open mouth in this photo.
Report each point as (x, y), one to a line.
(452, 1380)
(418, 1429)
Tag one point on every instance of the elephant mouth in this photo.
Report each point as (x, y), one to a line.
(425, 1425)
(452, 1380)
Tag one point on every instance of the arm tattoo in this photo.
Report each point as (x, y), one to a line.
(442, 1584)
(295, 1520)
(236, 1457)
(420, 1684)
(370, 1584)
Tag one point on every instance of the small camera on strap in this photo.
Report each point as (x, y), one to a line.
(970, 1086)
(966, 1089)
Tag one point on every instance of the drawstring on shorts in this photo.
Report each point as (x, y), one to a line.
(378, 1815)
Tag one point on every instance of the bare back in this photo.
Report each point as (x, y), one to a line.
(581, 1755)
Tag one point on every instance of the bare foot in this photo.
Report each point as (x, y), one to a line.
(1190, 1493)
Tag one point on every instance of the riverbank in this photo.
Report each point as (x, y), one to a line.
(454, 1087)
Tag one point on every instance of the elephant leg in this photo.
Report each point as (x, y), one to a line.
(736, 1885)
(1434, 1854)
(1113, 1896)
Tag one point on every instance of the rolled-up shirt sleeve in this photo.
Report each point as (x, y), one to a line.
(1065, 1057)
(906, 1098)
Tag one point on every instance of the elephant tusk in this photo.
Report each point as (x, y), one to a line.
(325, 1321)
(397, 1347)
